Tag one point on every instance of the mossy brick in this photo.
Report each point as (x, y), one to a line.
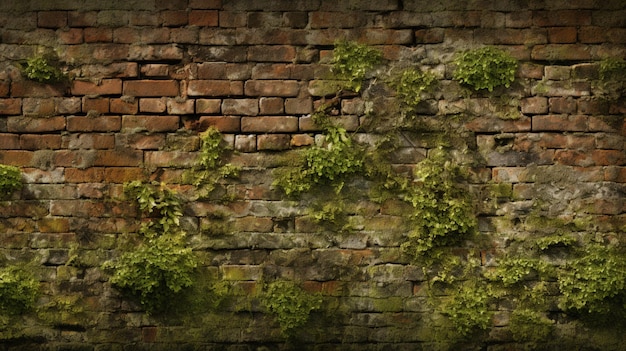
(151, 88)
(243, 272)
(112, 86)
(482, 124)
(561, 52)
(557, 72)
(273, 142)
(174, 159)
(179, 106)
(214, 88)
(27, 124)
(534, 105)
(10, 106)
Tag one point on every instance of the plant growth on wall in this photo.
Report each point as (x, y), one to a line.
(40, 69)
(485, 68)
(10, 180)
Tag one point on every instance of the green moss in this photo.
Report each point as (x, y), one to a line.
(18, 290)
(485, 68)
(290, 305)
(352, 61)
(527, 325)
(468, 309)
(10, 180)
(411, 85)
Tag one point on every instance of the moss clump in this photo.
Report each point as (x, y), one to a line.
(290, 305)
(485, 68)
(352, 61)
(18, 290)
(528, 325)
(410, 86)
(468, 309)
(10, 180)
(41, 69)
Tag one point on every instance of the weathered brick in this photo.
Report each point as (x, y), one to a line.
(180, 106)
(214, 88)
(608, 157)
(562, 105)
(302, 140)
(271, 106)
(38, 107)
(205, 4)
(208, 106)
(140, 141)
(562, 35)
(40, 141)
(154, 35)
(124, 105)
(10, 106)
(150, 88)
(224, 124)
(243, 107)
(230, 272)
(518, 19)
(75, 175)
(155, 52)
(298, 106)
(94, 124)
(562, 18)
(429, 36)
(153, 105)
(71, 36)
(245, 143)
(561, 52)
(323, 19)
(122, 174)
(89, 141)
(52, 19)
(273, 142)
(271, 53)
(35, 124)
(98, 35)
(562, 88)
(27, 88)
(9, 141)
(77, 208)
(136, 123)
(589, 106)
(269, 124)
(104, 87)
(572, 123)
(95, 105)
(498, 125)
(170, 159)
(281, 88)
(118, 158)
(203, 18)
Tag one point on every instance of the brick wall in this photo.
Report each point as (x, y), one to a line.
(148, 76)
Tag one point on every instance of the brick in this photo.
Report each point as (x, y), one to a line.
(562, 105)
(155, 52)
(269, 124)
(52, 19)
(172, 159)
(16, 157)
(88, 175)
(98, 35)
(592, 35)
(5, 87)
(561, 52)
(180, 106)
(589, 106)
(608, 157)
(271, 71)
(298, 140)
(429, 36)
(295, 19)
(271, 106)
(38, 107)
(118, 158)
(265, 19)
(298, 106)
(203, 18)
(530, 70)
(95, 105)
(518, 19)
(140, 141)
(483, 124)
(55, 225)
(562, 88)
(562, 18)
(154, 35)
(573, 158)
(65, 106)
(231, 272)
(610, 141)
(150, 123)
(225, 124)
(242, 107)
(214, 88)
(266, 88)
(35, 124)
(562, 35)
(245, 143)
(122, 174)
(105, 87)
(93, 124)
(124, 105)
(184, 35)
(557, 72)
(607, 124)
(534, 105)
(40, 141)
(10, 106)
(89, 141)
(153, 105)
(324, 19)
(27, 88)
(205, 4)
(208, 106)
(81, 18)
(77, 208)
(571, 123)
(273, 142)
(271, 53)
(228, 19)
(9, 141)
(71, 36)
(149, 88)
(174, 18)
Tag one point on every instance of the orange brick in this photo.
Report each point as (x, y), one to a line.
(281, 88)
(9, 141)
(98, 105)
(204, 18)
(10, 106)
(94, 124)
(92, 174)
(153, 105)
(125, 106)
(214, 88)
(150, 88)
(123, 174)
(40, 141)
(35, 124)
(118, 158)
(225, 124)
(106, 87)
(16, 157)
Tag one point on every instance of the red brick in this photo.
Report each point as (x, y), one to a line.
(105, 87)
(156, 88)
(5, 87)
(88, 175)
(52, 19)
(214, 88)
(35, 124)
(174, 18)
(38, 107)
(141, 141)
(184, 35)
(82, 19)
(94, 124)
(89, 141)
(68, 105)
(9, 141)
(71, 36)
(269, 124)
(518, 19)
(298, 106)
(170, 159)
(97, 105)
(271, 71)
(607, 124)
(588, 106)
(150, 123)
(153, 105)
(230, 19)
(571, 123)
(203, 18)
(241, 107)
(225, 124)
(16, 157)
(608, 157)
(615, 174)
(562, 18)
(118, 158)
(282, 88)
(40, 141)
(180, 107)
(126, 35)
(124, 106)
(205, 4)
(123, 174)
(143, 18)
(155, 70)
(573, 158)
(98, 35)
(562, 35)
(10, 106)
(271, 53)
